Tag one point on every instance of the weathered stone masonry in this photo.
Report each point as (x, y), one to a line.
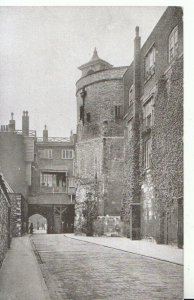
(5, 208)
(99, 150)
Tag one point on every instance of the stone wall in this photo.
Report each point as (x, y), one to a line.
(113, 175)
(103, 92)
(19, 215)
(4, 221)
(99, 174)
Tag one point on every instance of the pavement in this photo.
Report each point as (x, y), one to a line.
(141, 247)
(20, 275)
(77, 270)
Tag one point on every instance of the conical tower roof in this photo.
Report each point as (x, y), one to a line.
(95, 64)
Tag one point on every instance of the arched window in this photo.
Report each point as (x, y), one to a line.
(173, 44)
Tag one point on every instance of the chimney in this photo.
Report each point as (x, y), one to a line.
(135, 208)
(25, 123)
(45, 134)
(137, 65)
(12, 123)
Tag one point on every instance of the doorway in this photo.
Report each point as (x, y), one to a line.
(39, 224)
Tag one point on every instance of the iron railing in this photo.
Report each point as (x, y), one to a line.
(53, 139)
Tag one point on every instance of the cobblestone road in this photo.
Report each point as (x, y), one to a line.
(77, 270)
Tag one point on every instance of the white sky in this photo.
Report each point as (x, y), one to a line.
(41, 48)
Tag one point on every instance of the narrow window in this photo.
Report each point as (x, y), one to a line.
(48, 153)
(173, 44)
(88, 117)
(117, 111)
(47, 180)
(81, 112)
(147, 153)
(147, 114)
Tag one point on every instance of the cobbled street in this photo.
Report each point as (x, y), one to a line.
(79, 270)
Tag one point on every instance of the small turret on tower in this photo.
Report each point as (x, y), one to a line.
(94, 65)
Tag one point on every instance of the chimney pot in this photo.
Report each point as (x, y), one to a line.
(137, 30)
(25, 123)
(45, 134)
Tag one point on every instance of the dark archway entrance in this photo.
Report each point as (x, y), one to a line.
(39, 223)
(60, 218)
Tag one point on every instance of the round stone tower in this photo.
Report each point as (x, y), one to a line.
(100, 99)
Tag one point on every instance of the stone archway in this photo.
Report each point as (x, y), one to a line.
(39, 223)
(44, 210)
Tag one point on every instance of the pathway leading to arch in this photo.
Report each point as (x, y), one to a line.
(78, 270)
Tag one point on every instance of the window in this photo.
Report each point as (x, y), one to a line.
(67, 154)
(147, 114)
(117, 111)
(147, 153)
(47, 180)
(72, 182)
(81, 112)
(55, 180)
(88, 117)
(150, 63)
(173, 44)
(46, 153)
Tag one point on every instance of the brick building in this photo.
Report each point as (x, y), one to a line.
(153, 148)
(53, 183)
(130, 146)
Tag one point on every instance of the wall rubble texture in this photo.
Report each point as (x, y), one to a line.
(4, 222)
(99, 151)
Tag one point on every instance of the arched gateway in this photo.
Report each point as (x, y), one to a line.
(60, 218)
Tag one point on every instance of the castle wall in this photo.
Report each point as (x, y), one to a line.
(99, 151)
(4, 223)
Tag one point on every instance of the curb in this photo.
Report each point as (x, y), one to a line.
(126, 251)
(39, 261)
